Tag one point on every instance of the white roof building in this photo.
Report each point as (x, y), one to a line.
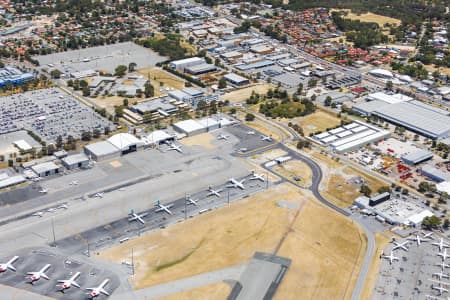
(123, 141)
(157, 137)
(381, 73)
(22, 145)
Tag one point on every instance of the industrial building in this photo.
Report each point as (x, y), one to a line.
(182, 64)
(381, 73)
(189, 127)
(46, 169)
(126, 142)
(236, 80)
(10, 75)
(413, 115)
(158, 137)
(101, 151)
(343, 82)
(75, 161)
(7, 181)
(435, 174)
(351, 136)
(380, 198)
(417, 157)
(193, 127)
(200, 69)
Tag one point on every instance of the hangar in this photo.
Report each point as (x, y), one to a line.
(101, 151)
(126, 142)
(46, 169)
(189, 127)
(157, 137)
(75, 161)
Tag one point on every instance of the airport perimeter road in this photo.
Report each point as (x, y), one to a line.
(316, 179)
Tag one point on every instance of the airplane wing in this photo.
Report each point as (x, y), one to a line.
(75, 284)
(44, 276)
(169, 206)
(104, 292)
(159, 209)
(11, 267)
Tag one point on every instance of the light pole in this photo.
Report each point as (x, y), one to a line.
(53, 232)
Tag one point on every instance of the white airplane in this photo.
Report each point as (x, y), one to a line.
(99, 195)
(35, 276)
(441, 275)
(177, 148)
(213, 192)
(222, 137)
(391, 257)
(43, 191)
(8, 265)
(444, 255)
(441, 244)
(162, 207)
(74, 182)
(428, 235)
(435, 298)
(65, 206)
(251, 132)
(192, 201)
(98, 290)
(256, 176)
(67, 283)
(266, 138)
(400, 246)
(136, 217)
(38, 214)
(236, 184)
(419, 239)
(439, 288)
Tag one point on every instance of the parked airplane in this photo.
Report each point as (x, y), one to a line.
(74, 182)
(444, 255)
(38, 214)
(67, 283)
(43, 191)
(222, 137)
(35, 276)
(98, 290)
(256, 176)
(443, 266)
(65, 206)
(213, 192)
(162, 207)
(8, 265)
(441, 275)
(266, 138)
(236, 184)
(136, 217)
(251, 132)
(441, 244)
(192, 201)
(400, 246)
(391, 257)
(173, 146)
(439, 288)
(419, 239)
(435, 298)
(99, 195)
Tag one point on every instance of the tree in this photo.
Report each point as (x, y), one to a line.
(300, 88)
(432, 222)
(249, 117)
(149, 90)
(446, 223)
(328, 101)
(384, 189)
(86, 136)
(59, 142)
(132, 66)
(55, 74)
(120, 70)
(125, 102)
(86, 91)
(107, 130)
(365, 190)
(389, 85)
(222, 83)
(312, 82)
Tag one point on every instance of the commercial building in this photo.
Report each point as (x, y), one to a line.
(101, 151)
(182, 64)
(236, 80)
(343, 82)
(10, 75)
(377, 199)
(262, 49)
(162, 107)
(381, 73)
(46, 169)
(417, 157)
(75, 161)
(351, 136)
(391, 99)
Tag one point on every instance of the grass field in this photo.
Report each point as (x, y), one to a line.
(245, 93)
(158, 76)
(325, 247)
(216, 291)
(295, 168)
(317, 121)
(369, 17)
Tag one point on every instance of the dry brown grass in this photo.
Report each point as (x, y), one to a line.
(341, 191)
(369, 17)
(203, 140)
(324, 246)
(372, 182)
(215, 291)
(317, 121)
(295, 168)
(158, 76)
(245, 93)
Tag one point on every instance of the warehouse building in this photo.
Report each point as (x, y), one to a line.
(189, 127)
(236, 80)
(380, 198)
(7, 181)
(417, 157)
(200, 69)
(209, 123)
(126, 142)
(101, 151)
(46, 169)
(158, 137)
(435, 174)
(182, 64)
(75, 161)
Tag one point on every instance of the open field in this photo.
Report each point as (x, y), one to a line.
(217, 291)
(317, 121)
(324, 247)
(369, 17)
(381, 241)
(341, 190)
(245, 93)
(108, 103)
(158, 76)
(203, 140)
(261, 127)
(296, 168)
(443, 70)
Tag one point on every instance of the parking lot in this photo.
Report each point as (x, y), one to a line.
(62, 267)
(412, 276)
(49, 113)
(105, 58)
